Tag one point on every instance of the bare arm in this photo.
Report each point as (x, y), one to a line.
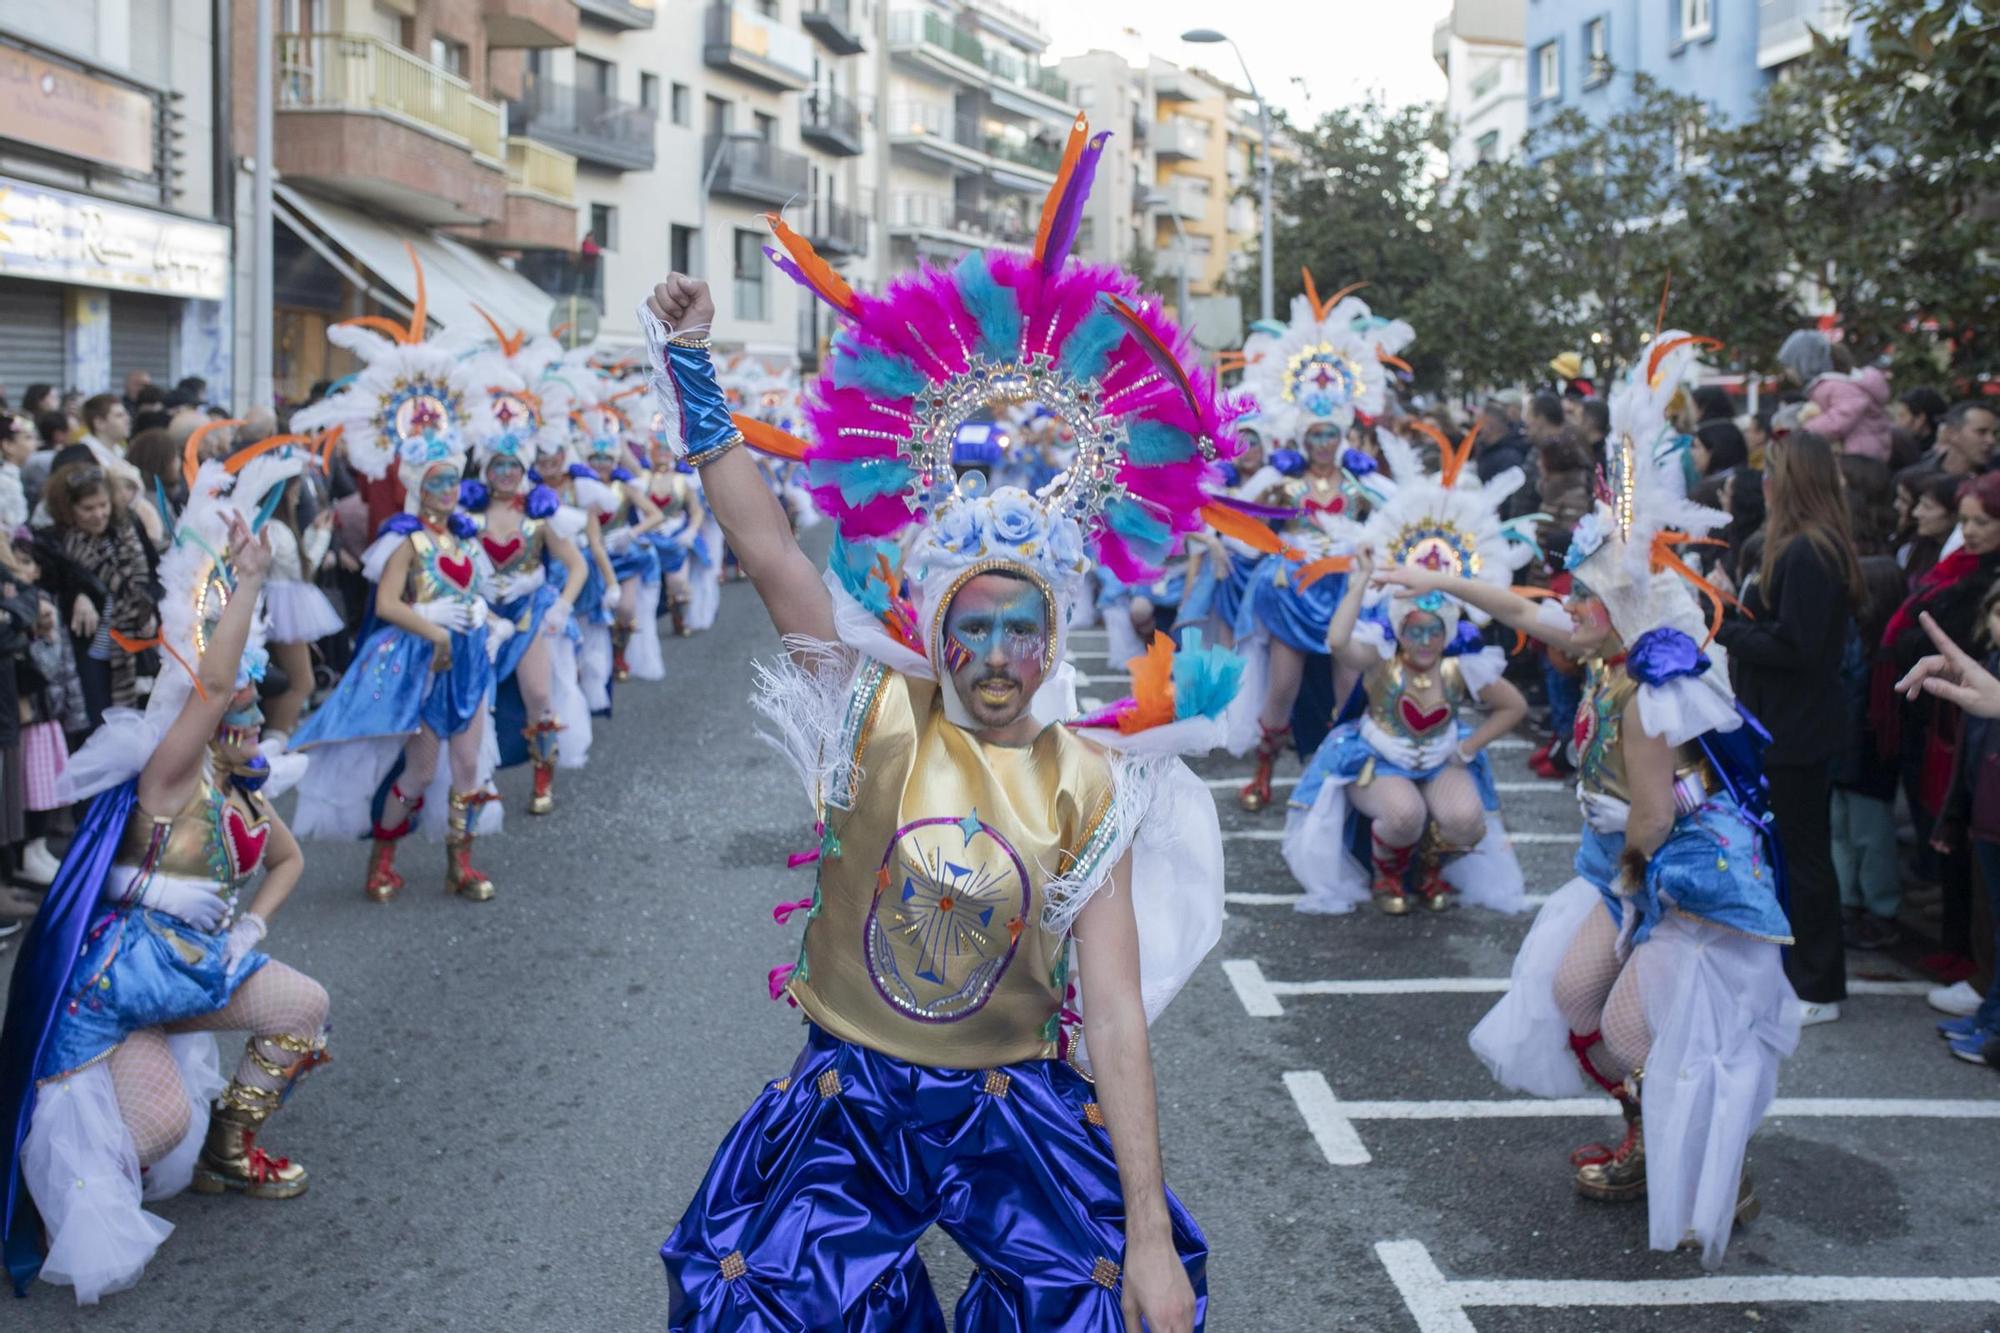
(283, 864)
(571, 560)
(593, 537)
(1509, 608)
(650, 516)
(1505, 707)
(1340, 630)
(750, 515)
(1649, 773)
(169, 777)
(1156, 1287)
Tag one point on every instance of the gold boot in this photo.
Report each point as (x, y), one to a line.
(460, 876)
(230, 1158)
(1622, 1179)
(542, 751)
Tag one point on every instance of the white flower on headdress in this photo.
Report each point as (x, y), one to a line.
(1065, 545)
(956, 529)
(1015, 519)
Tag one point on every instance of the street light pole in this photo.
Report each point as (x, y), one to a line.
(263, 300)
(1266, 292)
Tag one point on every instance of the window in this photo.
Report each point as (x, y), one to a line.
(649, 92)
(750, 271)
(1084, 95)
(448, 55)
(599, 76)
(680, 105)
(1487, 146)
(1548, 71)
(765, 125)
(1697, 20)
(1486, 80)
(604, 226)
(721, 115)
(1596, 52)
(680, 248)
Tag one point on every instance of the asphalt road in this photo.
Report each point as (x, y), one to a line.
(525, 1093)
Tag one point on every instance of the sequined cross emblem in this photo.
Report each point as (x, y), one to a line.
(944, 925)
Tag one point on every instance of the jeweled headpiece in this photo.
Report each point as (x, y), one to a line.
(1327, 365)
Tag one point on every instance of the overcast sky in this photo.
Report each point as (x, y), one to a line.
(1306, 55)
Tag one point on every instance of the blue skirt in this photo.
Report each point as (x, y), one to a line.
(637, 561)
(390, 690)
(1712, 866)
(811, 1210)
(1229, 592)
(1295, 616)
(1343, 754)
(138, 969)
(673, 556)
(526, 614)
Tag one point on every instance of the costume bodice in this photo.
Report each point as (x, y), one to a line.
(926, 939)
(620, 514)
(672, 494)
(215, 837)
(442, 567)
(1600, 725)
(1393, 703)
(516, 553)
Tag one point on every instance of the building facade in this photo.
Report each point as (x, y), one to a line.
(114, 220)
(1480, 47)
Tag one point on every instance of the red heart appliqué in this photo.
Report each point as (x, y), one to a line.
(604, 520)
(501, 552)
(457, 569)
(1418, 721)
(244, 840)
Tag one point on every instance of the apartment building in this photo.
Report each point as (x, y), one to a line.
(390, 135)
(1480, 46)
(114, 219)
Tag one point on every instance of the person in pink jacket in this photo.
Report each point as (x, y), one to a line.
(1848, 409)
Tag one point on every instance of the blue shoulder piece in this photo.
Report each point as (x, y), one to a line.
(1664, 654)
(1738, 760)
(1469, 639)
(1231, 474)
(473, 495)
(398, 525)
(1358, 463)
(542, 502)
(462, 525)
(582, 472)
(1289, 462)
(622, 474)
(34, 1007)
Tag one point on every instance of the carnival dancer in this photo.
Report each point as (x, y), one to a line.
(298, 613)
(1308, 383)
(625, 524)
(422, 677)
(109, 1079)
(567, 390)
(678, 542)
(1404, 757)
(1655, 974)
(965, 837)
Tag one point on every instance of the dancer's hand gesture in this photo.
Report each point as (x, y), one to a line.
(1156, 1289)
(683, 304)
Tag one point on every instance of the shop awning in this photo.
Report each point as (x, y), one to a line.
(455, 275)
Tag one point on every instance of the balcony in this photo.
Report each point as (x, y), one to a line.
(837, 230)
(935, 132)
(1023, 163)
(1785, 27)
(625, 15)
(1026, 87)
(937, 47)
(591, 126)
(1186, 197)
(752, 169)
(755, 47)
(363, 119)
(1244, 218)
(1173, 84)
(540, 209)
(834, 23)
(521, 24)
(1179, 138)
(830, 122)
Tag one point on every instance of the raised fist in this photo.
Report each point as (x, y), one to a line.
(683, 304)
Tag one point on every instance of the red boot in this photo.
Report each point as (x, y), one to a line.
(1256, 793)
(1392, 867)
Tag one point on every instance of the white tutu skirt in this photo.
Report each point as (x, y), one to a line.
(705, 580)
(299, 612)
(642, 652)
(566, 697)
(1723, 1016)
(593, 667)
(81, 1168)
(1242, 724)
(337, 793)
(1315, 847)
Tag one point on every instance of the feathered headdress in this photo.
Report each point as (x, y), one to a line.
(516, 423)
(1327, 365)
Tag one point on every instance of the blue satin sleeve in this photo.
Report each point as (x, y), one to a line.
(706, 425)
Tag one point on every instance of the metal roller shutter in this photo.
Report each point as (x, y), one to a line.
(31, 336)
(143, 333)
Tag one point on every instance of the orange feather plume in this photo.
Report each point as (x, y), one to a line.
(241, 459)
(1395, 361)
(1152, 687)
(768, 439)
(510, 343)
(131, 645)
(1533, 595)
(828, 285)
(1665, 557)
(389, 328)
(419, 312)
(327, 444)
(1321, 309)
(1660, 352)
(191, 455)
(1319, 569)
(1247, 530)
(1452, 458)
(1079, 135)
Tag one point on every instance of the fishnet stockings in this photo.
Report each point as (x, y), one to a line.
(276, 1001)
(1598, 994)
(1400, 808)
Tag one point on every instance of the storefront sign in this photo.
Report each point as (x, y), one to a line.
(62, 237)
(67, 111)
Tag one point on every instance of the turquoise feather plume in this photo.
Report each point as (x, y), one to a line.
(860, 479)
(1136, 524)
(1205, 679)
(881, 373)
(992, 306)
(1086, 353)
(852, 563)
(1153, 442)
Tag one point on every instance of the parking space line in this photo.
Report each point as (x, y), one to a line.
(1438, 1304)
(1536, 788)
(1287, 899)
(1248, 979)
(1332, 1128)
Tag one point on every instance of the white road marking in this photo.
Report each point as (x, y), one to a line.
(1262, 997)
(1524, 839)
(1253, 835)
(1287, 899)
(1537, 788)
(1236, 783)
(1438, 1304)
(1339, 1142)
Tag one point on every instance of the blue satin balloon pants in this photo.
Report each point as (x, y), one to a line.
(810, 1213)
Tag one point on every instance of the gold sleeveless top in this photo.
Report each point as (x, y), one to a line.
(677, 497)
(442, 567)
(1599, 735)
(213, 837)
(516, 554)
(925, 940)
(1399, 713)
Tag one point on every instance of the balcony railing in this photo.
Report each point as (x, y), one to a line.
(618, 13)
(1027, 153)
(755, 170)
(1005, 63)
(1785, 27)
(591, 125)
(924, 28)
(832, 21)
(831, 121)
(837, 230)
(756, 46)
(1180, 137)
(364, 74)
(537, 169)
(1005, 220)
(932, 119)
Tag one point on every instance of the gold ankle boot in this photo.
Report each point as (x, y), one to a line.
(460, 875)
(1622, 1178)
(230, 1158)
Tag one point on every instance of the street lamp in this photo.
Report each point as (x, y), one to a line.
(1210, 35)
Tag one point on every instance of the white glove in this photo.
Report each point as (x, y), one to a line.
(1392, 748)
(557, 619)
(477, 612)
(498, 631)
(613, 594)
(447, 613)
(500, 587)
(200, 907)
(245, 935)
(1438, 751)
(1604, 814)
(618, 542)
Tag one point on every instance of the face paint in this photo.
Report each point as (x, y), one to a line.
(440, 489)
(504, 475)
(242, 725)
(1423, 630)
(1015, 630)
(995, 646)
